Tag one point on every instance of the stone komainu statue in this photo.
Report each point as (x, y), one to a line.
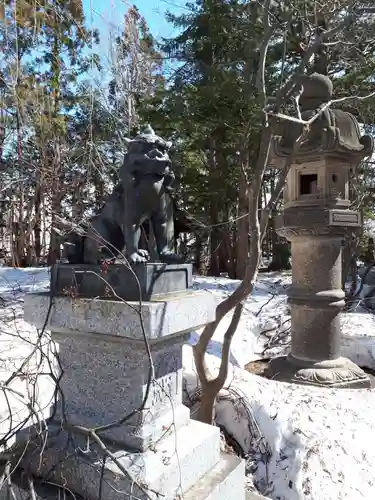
(143, 193)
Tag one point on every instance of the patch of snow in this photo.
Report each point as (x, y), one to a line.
(358, 338)
(309, 443)
(20, 346)
(264, 310)
(266, 314)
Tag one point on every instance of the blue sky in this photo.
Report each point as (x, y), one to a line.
(106, 14)
(108, 17)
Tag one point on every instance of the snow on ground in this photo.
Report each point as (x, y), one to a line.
(307, 443)
(318, 439)
(265, 323)
(264, 311)
(20, 348)
(358, 338)
(303, 442)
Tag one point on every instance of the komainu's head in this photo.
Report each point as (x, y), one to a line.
(148, 154)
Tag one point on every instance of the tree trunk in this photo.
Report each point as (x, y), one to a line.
(54, 246)
(207, 406)
(236, 299)
(99, 191)
(56, 208)
(242, 243)
(198, 254)
(228, 251)
(349, 261)
(215, 242)
(38, 220)
(280, 256)
(21, 230)
(201, 246)
(55, 159)
(45, 232)
(215, 235)
(77, 205)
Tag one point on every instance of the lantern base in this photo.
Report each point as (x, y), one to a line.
(340, 373)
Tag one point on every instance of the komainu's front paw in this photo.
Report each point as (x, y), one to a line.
(144, 253)
(136, 258)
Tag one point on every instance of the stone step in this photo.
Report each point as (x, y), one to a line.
(174, 465)
(182, 458)
(224, 481)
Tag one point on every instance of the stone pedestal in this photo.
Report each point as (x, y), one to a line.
(150, 281)
(106, 370)
(316, 299)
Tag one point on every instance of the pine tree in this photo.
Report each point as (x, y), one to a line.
(211, 99)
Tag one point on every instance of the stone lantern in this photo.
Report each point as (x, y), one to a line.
(315, 219)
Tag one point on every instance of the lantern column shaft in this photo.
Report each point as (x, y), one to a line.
(316, 298)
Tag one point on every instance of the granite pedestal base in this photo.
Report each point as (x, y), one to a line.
(104, 352)
(186, 463)
(337, 373)
(106, 361)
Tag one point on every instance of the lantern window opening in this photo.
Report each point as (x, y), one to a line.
(308, 184)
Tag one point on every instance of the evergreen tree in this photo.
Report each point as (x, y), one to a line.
(212, 103)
